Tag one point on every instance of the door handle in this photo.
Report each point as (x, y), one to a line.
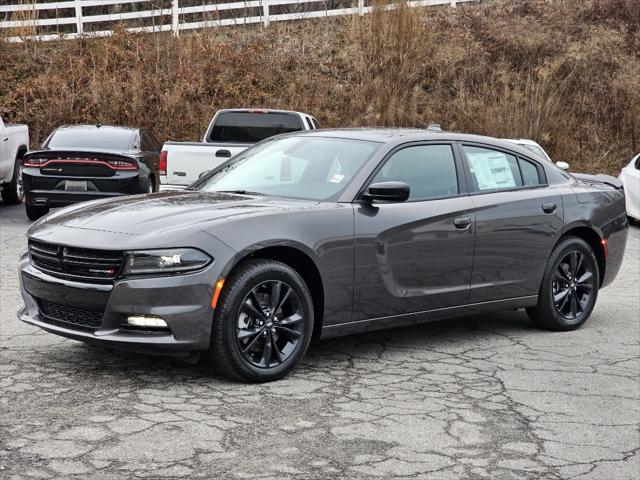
(462, 223)
(549, 207)
(223, 153)
(5, 139)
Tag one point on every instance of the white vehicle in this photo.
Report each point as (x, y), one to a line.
(14, 143)
(536, 148)
(530, 145)
(630, 177)
(230, 132)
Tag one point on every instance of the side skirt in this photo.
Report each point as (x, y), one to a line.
(416, 318)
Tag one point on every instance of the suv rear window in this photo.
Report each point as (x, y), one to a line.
(251, 127)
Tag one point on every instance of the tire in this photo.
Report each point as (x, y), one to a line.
(285, 331)
(569, 288)
(12, 192)
(34, 212)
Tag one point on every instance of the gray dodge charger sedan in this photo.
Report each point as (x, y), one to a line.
(325, 233)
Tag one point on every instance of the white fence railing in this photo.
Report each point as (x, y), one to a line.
(53, 20)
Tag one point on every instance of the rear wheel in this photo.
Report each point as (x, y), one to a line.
(263, 322)
(34, 212)
(569, 288)
(13, 192)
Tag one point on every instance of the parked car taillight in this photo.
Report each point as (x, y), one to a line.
(33, 162)
(122, 165)
(163, 162)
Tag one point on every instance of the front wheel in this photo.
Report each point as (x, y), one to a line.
(263, 322)
(569, 288)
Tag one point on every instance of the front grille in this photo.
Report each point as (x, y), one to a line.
(68, 316)
(77, 263)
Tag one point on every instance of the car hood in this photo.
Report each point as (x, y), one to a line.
(159, 213)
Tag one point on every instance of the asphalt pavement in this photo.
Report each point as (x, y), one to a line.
(478, 397)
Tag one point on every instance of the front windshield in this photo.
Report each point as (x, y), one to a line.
(314, 168)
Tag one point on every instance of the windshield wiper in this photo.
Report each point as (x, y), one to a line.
(242, 192)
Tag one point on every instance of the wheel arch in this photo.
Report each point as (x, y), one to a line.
(302, 262)
(593, 237)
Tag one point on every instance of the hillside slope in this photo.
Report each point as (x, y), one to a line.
(565, 73)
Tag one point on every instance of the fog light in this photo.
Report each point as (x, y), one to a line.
(146, 321)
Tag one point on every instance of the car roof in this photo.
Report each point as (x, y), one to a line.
(97, 127)
(401, 135)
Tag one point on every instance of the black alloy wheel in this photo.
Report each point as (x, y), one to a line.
(573, 285)
(270, 324)
(263, 322)
(569, 288)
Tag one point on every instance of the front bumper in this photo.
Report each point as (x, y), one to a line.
(183, 302)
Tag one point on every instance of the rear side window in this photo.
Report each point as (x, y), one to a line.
(492, 169)
(315, 123)
(90, 137)
(252, 127)
(429, 170)
(530, 173)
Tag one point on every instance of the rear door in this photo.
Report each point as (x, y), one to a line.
(518, 220)
(416, 255)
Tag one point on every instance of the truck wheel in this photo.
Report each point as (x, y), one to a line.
(263, 322)
(12, 192)
(34, 212)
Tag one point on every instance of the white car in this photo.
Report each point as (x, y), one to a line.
(630, 177)
(530, 145)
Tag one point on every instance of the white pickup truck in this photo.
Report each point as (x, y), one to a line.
(14, 143)
(230, 132)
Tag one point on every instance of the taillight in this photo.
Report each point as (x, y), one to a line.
(163, 162)
(122, 165)
(33, 162)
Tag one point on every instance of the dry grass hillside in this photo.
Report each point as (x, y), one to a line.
(564, 72)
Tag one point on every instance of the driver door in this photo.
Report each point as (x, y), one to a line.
(416, 255)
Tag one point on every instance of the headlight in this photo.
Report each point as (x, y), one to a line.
(173, 260)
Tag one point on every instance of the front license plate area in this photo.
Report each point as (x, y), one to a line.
(75, 185)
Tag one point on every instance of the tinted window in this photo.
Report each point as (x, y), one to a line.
(90, 137)
(251, 127)
(315, 123)
(316, 168)
(429, 170)
(530, 174)
(491, 169)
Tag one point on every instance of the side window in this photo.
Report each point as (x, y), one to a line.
(491, 169)
(429, 170)
(530, 173)
(315, 123)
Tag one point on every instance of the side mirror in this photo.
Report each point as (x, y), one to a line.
(563, 165)
(387, 192)
(202, 174)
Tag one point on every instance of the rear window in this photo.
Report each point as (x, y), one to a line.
(252, 127)
(90, 137)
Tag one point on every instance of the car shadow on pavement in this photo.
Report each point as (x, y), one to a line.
(442, 336)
